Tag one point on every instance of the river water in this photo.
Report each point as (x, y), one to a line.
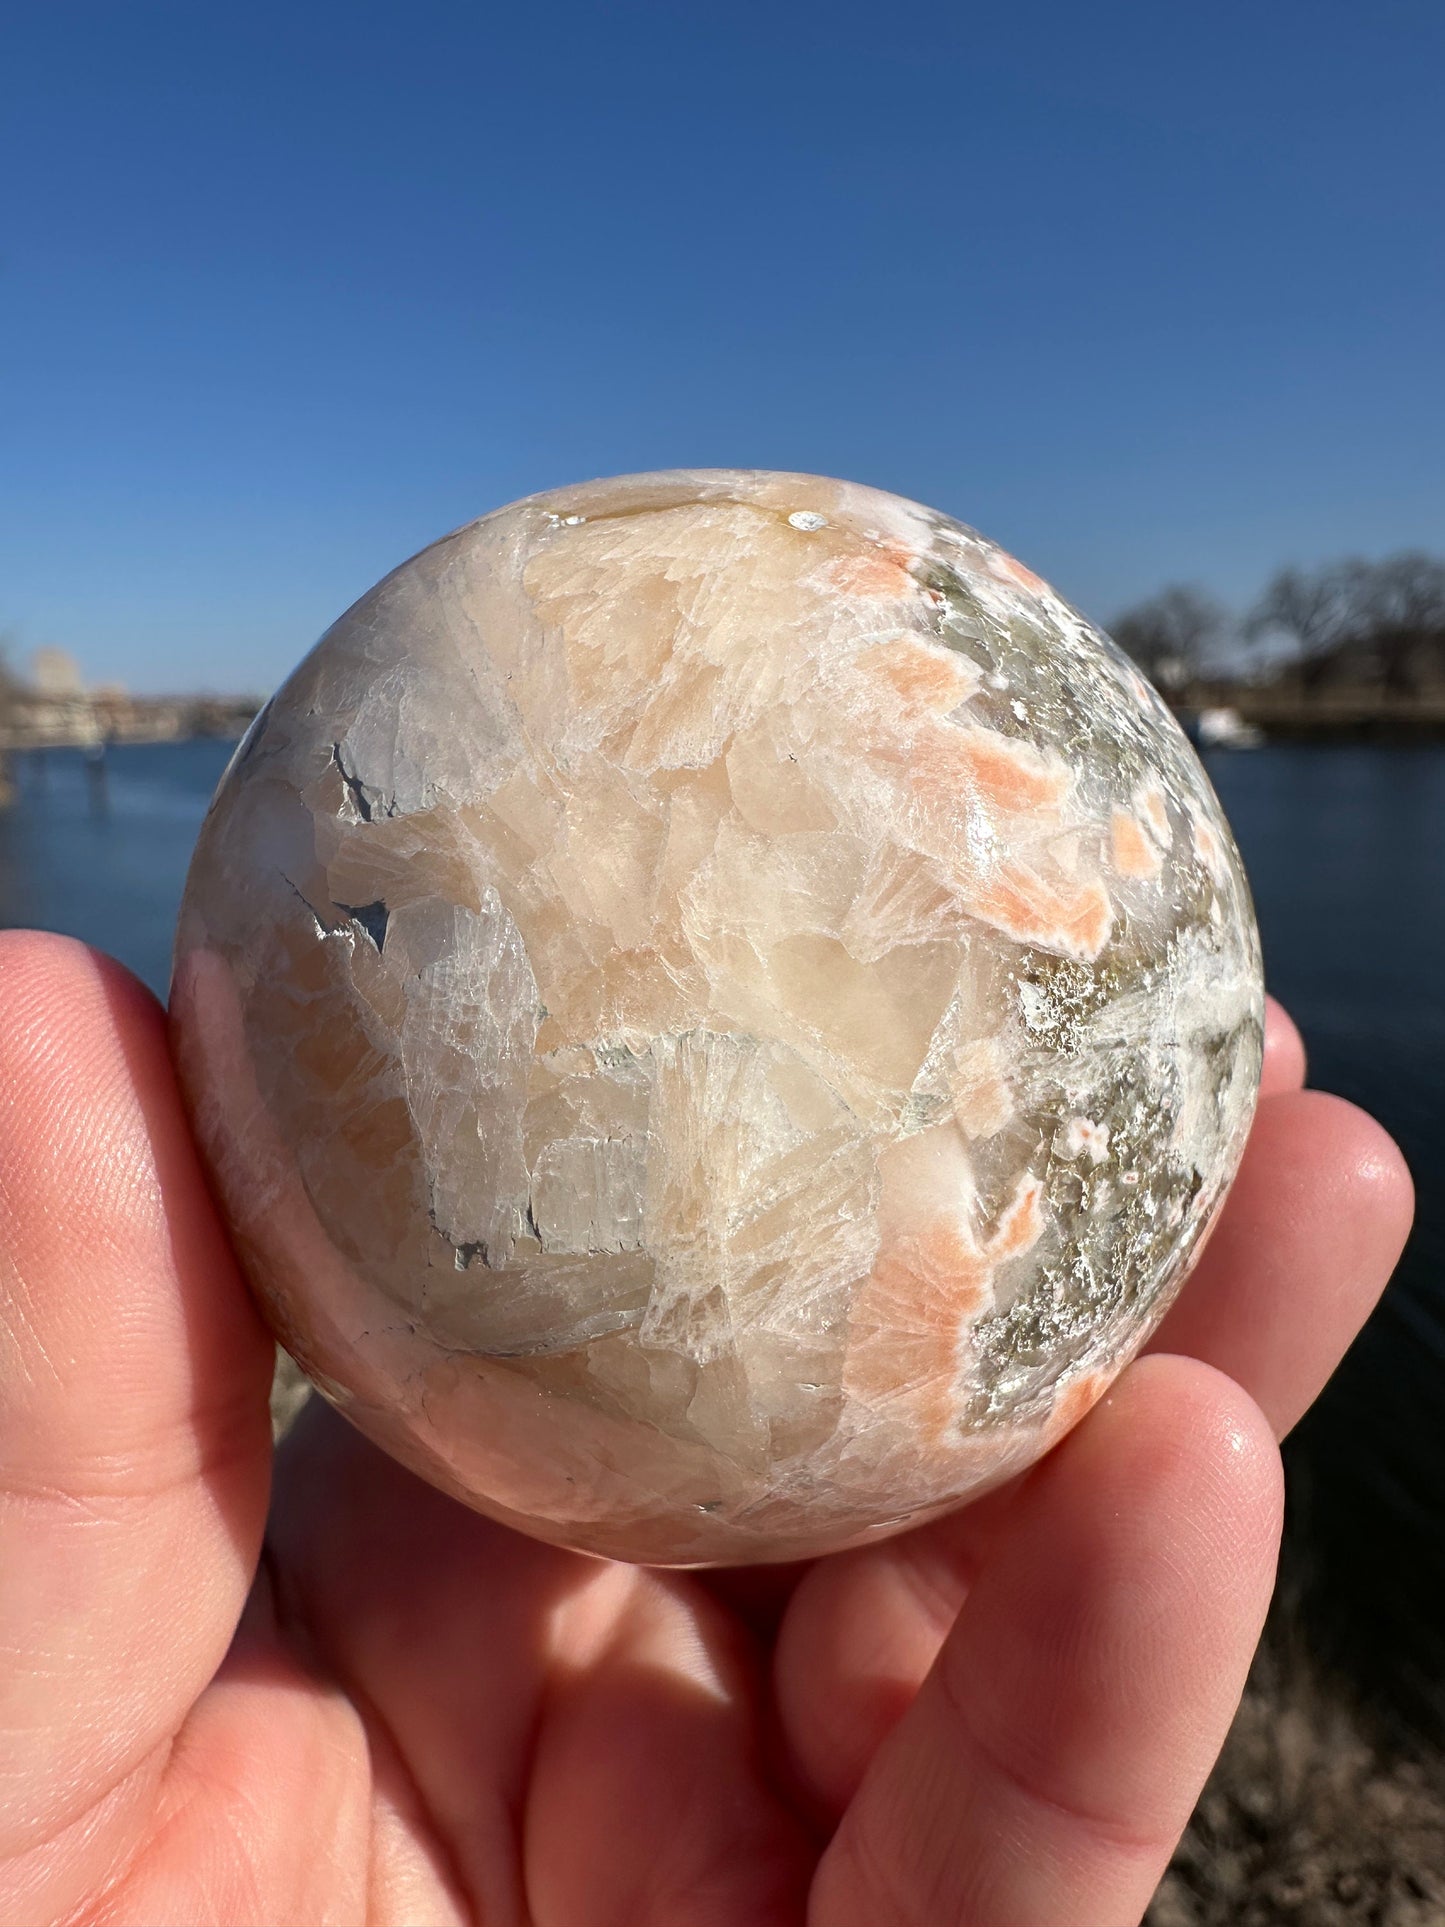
(1346, 852)
(107, 862)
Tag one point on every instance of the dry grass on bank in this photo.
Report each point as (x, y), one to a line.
(1308, 1820)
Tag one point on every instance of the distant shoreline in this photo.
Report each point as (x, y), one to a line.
(1330, 716)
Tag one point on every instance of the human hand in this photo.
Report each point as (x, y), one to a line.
(1001, 1719)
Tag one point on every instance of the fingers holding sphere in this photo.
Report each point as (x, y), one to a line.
(1305, 1243)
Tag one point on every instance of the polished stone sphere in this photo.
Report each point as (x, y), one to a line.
(719, 1011)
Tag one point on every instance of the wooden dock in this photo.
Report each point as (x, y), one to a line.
(34, 720)
(30, 719)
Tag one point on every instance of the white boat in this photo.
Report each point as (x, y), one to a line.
(1226, 729)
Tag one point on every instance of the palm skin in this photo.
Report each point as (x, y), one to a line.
(406, 1715)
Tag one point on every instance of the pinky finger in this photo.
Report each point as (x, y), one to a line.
(1054, 1752)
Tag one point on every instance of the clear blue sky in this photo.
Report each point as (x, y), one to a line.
(1146, 291)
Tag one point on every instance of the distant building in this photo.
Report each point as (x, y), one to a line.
(55, 672)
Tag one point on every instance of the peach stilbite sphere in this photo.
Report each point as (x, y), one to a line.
(719, 1011)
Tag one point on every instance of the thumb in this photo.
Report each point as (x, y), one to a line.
(134, 1442)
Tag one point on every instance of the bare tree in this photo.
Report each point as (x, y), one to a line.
(1402, 616)
(1386, 616)
(1171, 634)
(1316, 611)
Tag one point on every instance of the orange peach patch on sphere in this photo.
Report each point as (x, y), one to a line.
(1133, 853)
(884, 571)
(927, 1286)
(929, 680)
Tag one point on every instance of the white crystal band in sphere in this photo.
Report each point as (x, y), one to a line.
(719, 1010)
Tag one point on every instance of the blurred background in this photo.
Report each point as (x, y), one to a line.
(1154, 296)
